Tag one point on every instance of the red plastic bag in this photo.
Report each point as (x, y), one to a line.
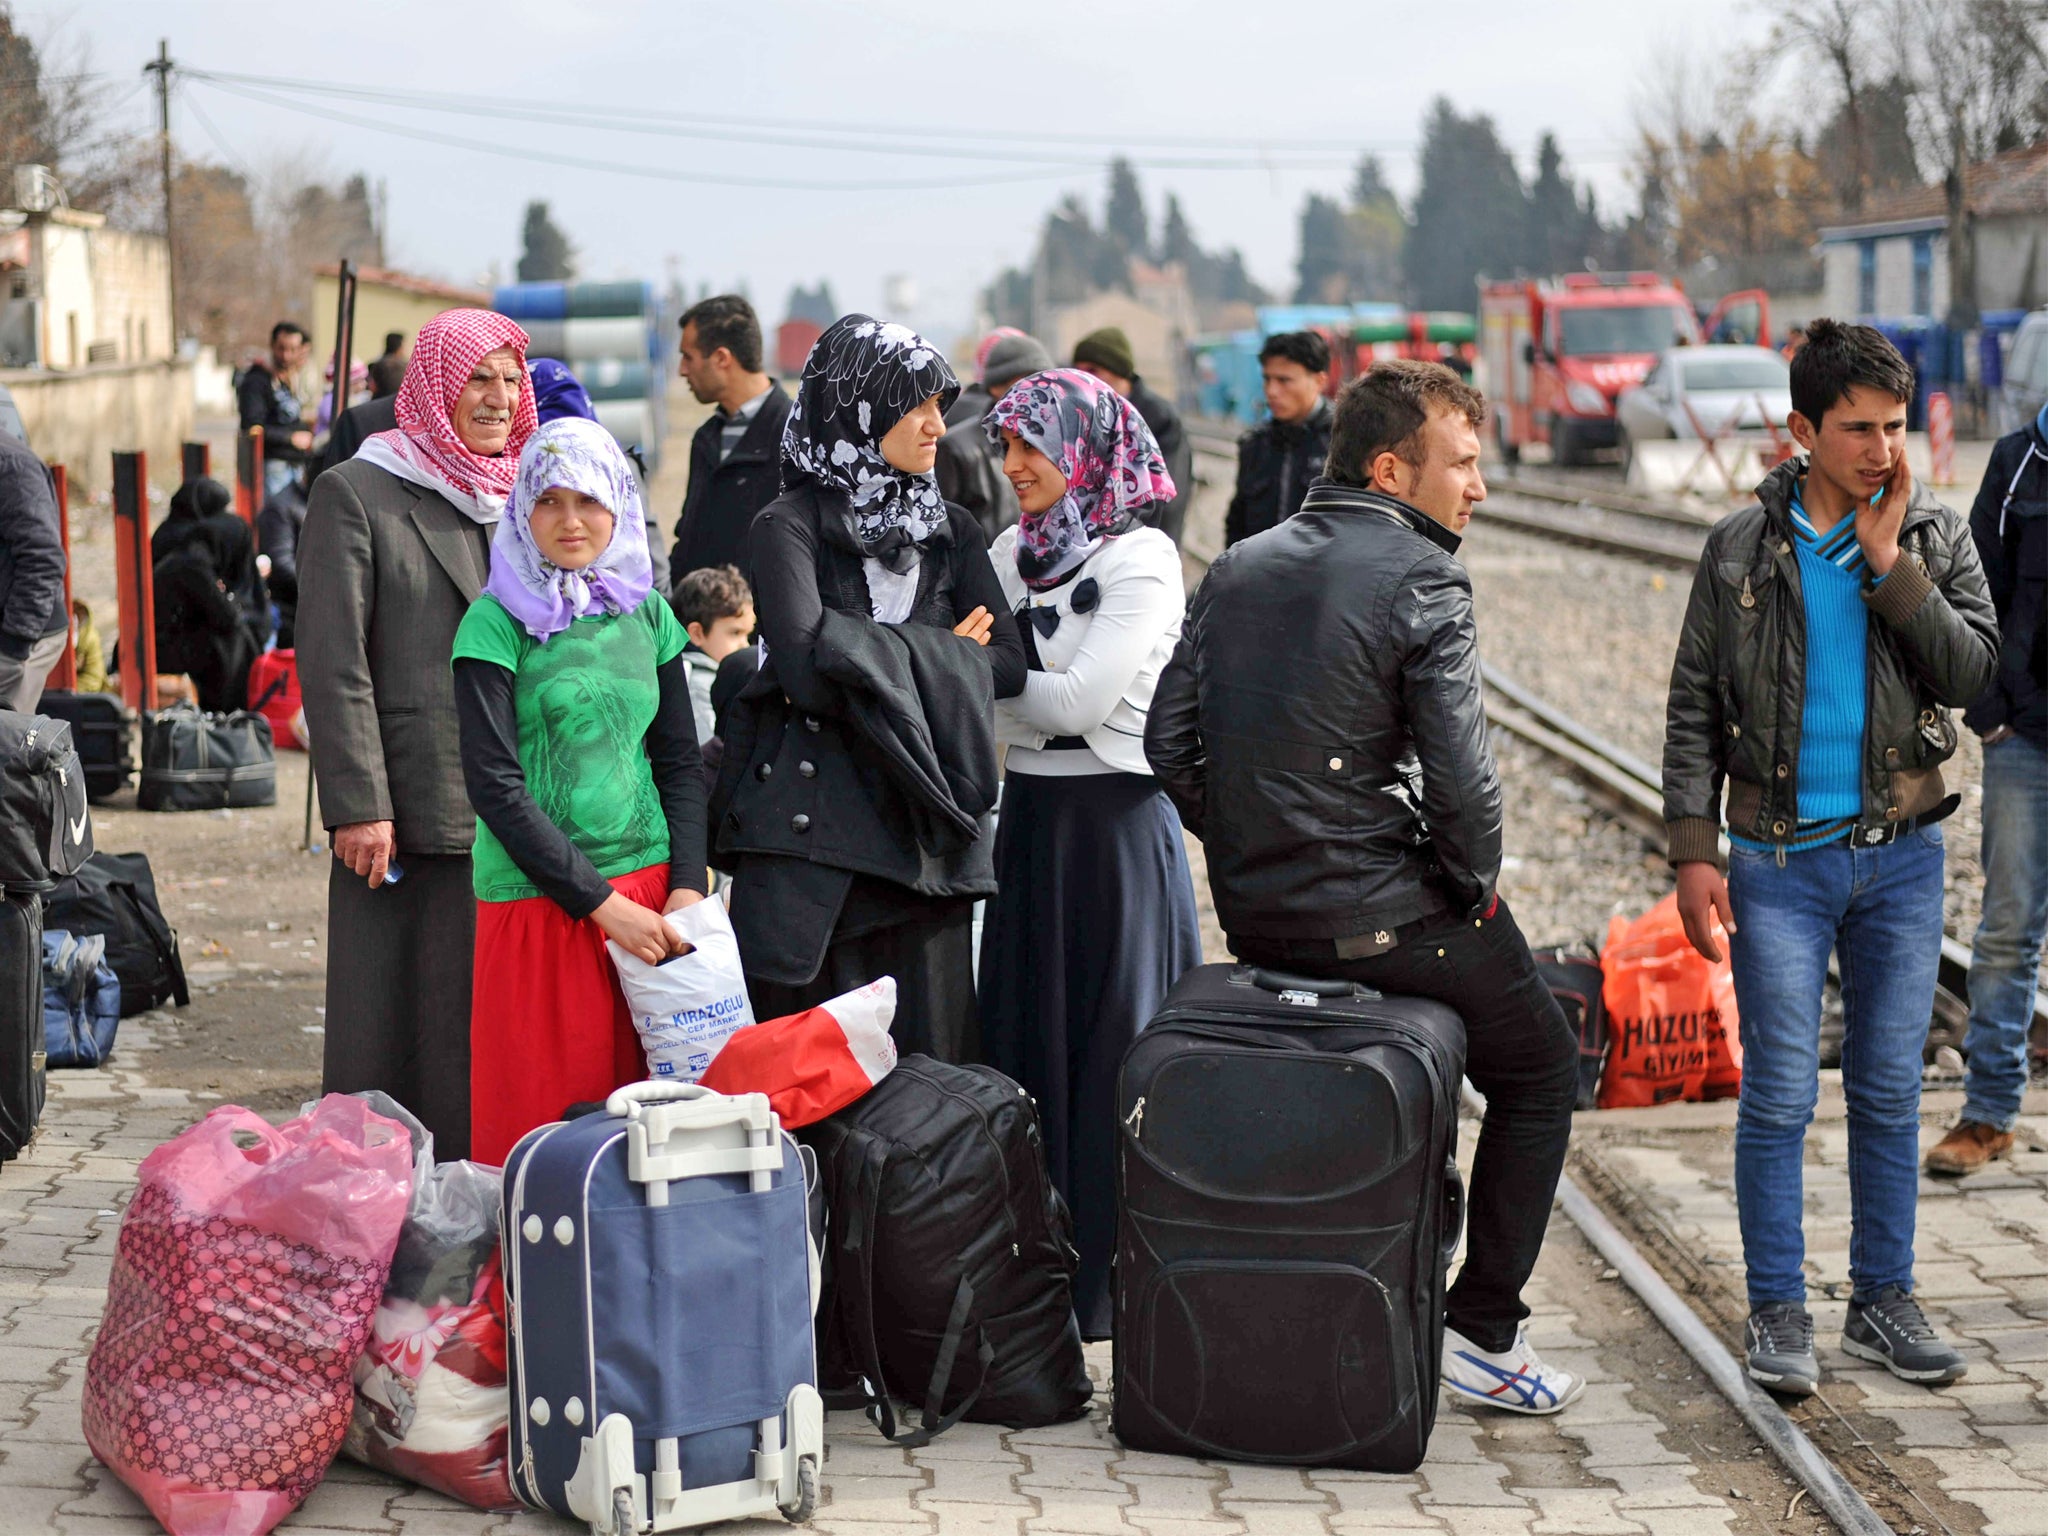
(250, 1264)
(1672, 1027)
(274, 694)
(431, 1400)
(814, 1063)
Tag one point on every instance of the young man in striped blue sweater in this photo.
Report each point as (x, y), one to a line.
(1832, 626)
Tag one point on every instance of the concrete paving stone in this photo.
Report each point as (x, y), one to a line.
(44, 1464)
(1878, 1386)
(845, 1458)
(1625, 1445)
(453, 1519)
(1084, 1433)
(1578, 1512)
(1151, 1464)
(1174, 1498)
(125, 1525)
(1079, 1512)
(94, 1194)
(2009, 1514)
(1662, 1486)
(531, 1522)
(965, 1482)
(1270, 1485)
(1929, 1428)
(350, 1506)
(1263, 1519)
(1162, 1526)
(1996, 1402)
(1391, 1498)
(2015, 1346)
(2007, 1261)
(1068, 1467)
(27, 1250)
(1608, 1402)
(869, 1498)
(1466, 1484)
(973, 1520)
(1950, 1279)
(1686, 1522)
(968, 1442)
(1981, 1469)
(32, 1363)
(25, 1508)
(1481, 1520)
(1458, 1438)
(2027, 1442)
(824, 1522)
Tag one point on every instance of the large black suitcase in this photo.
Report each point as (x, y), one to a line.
(1287, 1201)
(103, 731)
(950, 1262)
(21, 1021)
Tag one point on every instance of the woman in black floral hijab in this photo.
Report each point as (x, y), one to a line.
(860, 762)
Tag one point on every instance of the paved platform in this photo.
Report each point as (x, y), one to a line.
(1648, 1450)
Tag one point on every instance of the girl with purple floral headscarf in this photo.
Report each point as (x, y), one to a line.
(579, 752)
(1094, 915)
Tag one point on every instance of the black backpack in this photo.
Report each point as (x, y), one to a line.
(45, 830)
(1575, 979)
(950, 1268)
(115, 894)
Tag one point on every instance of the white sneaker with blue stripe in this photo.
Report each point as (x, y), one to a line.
(1517, 1381)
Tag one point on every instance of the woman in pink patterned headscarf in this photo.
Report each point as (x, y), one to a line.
(1094, 914)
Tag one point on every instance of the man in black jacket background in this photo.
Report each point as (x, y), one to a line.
(1320, 728)
(1107, 354)
(33, 620)
(1278, 458)
(735, 457)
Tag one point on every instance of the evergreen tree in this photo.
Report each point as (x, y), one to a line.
(1324, 273)
(1470, 210)
(1563, 233)
(548, 256)
(1176, 240)
(1125, 220)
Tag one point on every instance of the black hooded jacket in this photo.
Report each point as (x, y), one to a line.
(1276, 461)
(2009, 525)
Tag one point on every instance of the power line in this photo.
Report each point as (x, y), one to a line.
(650, 172)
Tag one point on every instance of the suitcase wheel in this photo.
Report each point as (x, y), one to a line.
(806, 1492)
(623, 1523)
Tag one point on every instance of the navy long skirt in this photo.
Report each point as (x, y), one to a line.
(1092, 922)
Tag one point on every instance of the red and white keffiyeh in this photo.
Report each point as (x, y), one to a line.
(425, 448)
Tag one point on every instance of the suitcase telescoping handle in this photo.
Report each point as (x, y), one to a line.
(687, 1131)
(1282, 983)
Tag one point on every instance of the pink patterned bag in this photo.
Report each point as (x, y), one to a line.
(250, 1265)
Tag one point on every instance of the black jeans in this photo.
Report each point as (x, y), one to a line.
(1522, 1055)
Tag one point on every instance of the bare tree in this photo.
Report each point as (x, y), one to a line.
(1978, 70)
(1835, 34)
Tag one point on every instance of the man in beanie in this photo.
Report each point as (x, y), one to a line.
(970, 471)
(1107, 354)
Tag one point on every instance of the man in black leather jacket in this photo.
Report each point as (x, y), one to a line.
(1278, 458)
(1320, 729)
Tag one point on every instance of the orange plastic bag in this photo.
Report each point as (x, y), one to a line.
(1671, 1020)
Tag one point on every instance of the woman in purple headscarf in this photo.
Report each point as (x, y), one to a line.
(579, 752)
(1094, 916)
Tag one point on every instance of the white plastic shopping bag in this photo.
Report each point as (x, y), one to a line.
(688, 1006)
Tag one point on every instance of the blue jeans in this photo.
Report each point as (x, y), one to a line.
(2008, 949)
(1880, 909)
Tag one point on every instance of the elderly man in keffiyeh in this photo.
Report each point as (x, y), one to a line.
(396, 546)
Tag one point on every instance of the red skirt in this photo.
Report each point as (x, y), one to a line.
(548, 1026)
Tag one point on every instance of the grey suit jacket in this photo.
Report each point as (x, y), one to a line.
(386, 571)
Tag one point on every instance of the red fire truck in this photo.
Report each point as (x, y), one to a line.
(1557, 352)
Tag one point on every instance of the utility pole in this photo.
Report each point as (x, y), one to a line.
(161, 68)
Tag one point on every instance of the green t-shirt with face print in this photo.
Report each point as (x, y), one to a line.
(584, 702)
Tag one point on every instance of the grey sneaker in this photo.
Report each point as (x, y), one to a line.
(1781, 1348)
(1893, 1332)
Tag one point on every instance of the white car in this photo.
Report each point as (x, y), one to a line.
(1727, 389)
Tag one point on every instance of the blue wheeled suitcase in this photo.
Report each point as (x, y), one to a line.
(660, 1281)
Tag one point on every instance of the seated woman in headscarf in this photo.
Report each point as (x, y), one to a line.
(860, 759)
(1094, 916)
(212, 612)
(580, 753)
(395, 547)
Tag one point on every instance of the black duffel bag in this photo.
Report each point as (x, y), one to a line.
(198, 762)
(114, 894)
(45, 829)
(950, 1271)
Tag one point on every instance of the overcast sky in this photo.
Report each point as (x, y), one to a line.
(1046, 92)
